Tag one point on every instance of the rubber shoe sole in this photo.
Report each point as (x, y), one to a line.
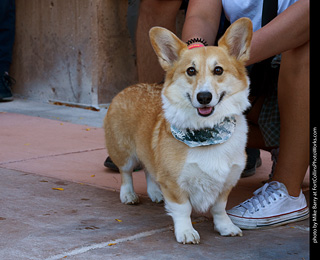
(268, 222)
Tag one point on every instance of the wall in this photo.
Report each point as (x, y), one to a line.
(72, 51)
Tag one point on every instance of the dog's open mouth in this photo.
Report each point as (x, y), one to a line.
(205, 111)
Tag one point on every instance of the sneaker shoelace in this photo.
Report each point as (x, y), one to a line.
(262, 197)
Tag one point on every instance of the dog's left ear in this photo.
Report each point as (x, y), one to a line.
(166, 45)
(237, 39)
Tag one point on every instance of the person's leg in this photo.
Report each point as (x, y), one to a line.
(7, 31)
(293, 98)
(153, 13)
(281, 201)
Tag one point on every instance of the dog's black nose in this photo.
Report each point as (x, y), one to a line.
(204, 98)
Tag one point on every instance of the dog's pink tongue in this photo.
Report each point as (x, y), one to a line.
(205, 110)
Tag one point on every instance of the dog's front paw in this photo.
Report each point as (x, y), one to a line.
(128, 196)
(228, 230)
(188, 236)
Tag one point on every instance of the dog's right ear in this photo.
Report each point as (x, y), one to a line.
(237, 39)
(166, 45)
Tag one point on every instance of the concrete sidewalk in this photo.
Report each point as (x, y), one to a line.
(58, 201)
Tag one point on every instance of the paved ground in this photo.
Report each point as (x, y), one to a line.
(57, 200)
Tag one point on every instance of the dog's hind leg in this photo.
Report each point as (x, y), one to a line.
(127, 194)
(153, 188)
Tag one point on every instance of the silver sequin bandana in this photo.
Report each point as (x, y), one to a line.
(219, 134)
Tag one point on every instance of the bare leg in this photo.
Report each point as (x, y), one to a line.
(153, 13)
(293, 98)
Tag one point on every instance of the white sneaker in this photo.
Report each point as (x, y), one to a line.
(270, 206)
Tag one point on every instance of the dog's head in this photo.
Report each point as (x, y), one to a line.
(203, 85)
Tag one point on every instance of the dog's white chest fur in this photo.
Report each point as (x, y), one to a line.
(210, 170)
(201, 187)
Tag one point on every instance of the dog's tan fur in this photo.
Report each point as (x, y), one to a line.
(137, 128)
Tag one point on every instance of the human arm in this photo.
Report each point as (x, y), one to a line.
(288, 30)
(202, 20)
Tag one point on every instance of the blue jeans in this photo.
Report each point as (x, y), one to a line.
(7, 31)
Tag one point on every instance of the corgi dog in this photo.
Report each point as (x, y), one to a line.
(189, 133)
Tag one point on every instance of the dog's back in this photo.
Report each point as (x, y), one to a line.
(138, 107)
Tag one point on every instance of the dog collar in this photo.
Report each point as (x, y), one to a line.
(219, 134)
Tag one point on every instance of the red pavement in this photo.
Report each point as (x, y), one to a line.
(76, 153)
(81, 222)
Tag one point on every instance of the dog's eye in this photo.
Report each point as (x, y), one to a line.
(191, 71)
(218, 70)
